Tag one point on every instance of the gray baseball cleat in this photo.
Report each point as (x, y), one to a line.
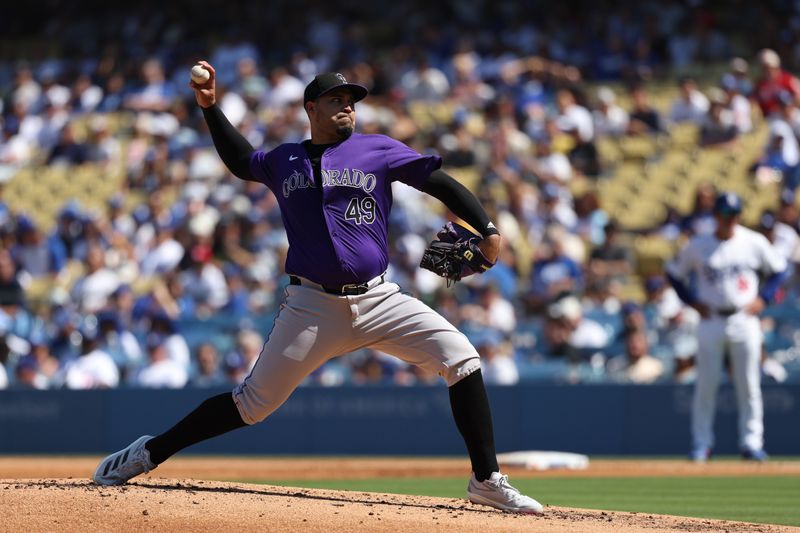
(119, 467)
(497, 492)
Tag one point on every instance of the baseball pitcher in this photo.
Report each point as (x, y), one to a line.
(728, 277)
(334, 193)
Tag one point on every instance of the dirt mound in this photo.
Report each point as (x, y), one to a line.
(154, 504)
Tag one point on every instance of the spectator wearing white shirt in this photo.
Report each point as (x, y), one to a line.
(86, 96)
(497, 362)
(675, 325)
(576, 121)
(636, 365)
(740, 71)
(738, 104)
(789, 112)
(588, 334)
(585, 332)
(789, 149)
(3, 372)
(14, 151)
(118, 341)
(234, 106)
(27, 90)
(781, 154)
(550, 165)
(670, 312)
(782, 236)
(165, 253)
(92, 291)
(567, 333)
(94, 368)
(27, 375)
(103, 147)
(31, 125)
(405, 262)
(156, 94)
(204, 281)
(47, 366)
(573, 117)
(284, 89)
(47, 129)
(176, 347)
(161, 372)
(424, 82)
(555, 208)
(691, 105)
(609, 118)
(491, 310)
(120, 258)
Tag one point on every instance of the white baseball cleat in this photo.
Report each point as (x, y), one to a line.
(119, 467)
(497, 492)
(700, 455)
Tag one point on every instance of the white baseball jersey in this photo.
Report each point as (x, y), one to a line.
(727, 272)
(726, 278)
(95, 370)
(167, 374)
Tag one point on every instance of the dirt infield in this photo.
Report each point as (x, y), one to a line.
(280, 468)
(54, 494)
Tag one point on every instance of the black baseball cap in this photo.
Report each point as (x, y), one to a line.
(325, 83)
(728, 203)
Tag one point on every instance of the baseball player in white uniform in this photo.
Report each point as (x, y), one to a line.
(728, 277)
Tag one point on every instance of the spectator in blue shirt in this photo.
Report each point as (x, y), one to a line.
(208, 372)
(33, 253)
(237, 305)
(554, 273)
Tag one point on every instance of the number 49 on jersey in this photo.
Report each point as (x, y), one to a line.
(361, 210)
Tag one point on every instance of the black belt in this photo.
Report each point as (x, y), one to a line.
(726, 312)
(351, 289)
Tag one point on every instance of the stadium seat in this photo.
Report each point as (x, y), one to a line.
(38, 291)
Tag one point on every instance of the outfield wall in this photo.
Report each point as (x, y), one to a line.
(591, 419)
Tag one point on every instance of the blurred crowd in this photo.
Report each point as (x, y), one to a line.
(173, 279)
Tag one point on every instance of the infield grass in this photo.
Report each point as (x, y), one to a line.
(761, 499)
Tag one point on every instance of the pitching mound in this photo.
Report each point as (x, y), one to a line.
(154, 504)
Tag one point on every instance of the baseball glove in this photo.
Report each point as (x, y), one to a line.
(455, 254)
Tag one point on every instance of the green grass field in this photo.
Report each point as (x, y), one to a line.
(762, 499)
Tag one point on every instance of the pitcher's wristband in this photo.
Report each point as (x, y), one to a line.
(490, 229)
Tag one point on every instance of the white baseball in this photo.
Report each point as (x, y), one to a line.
(200, 75)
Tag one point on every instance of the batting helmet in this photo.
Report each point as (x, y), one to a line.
(728, 203)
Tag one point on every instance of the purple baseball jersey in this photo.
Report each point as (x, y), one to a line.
(338, 233)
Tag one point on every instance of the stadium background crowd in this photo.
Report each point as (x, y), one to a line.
(131, 257)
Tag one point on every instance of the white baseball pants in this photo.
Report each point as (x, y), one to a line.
(740, 336)
(313, 326)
